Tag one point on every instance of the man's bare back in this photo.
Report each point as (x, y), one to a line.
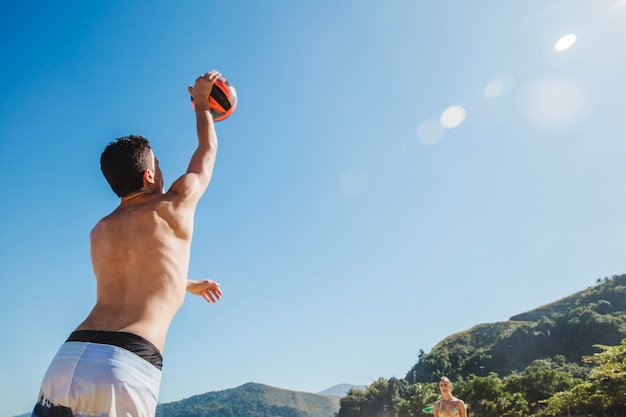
(140, 256)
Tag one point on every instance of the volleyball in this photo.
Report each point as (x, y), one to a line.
(223, 99)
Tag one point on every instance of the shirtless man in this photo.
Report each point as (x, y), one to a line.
(111, 365)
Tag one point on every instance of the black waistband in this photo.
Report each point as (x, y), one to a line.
(131, 342)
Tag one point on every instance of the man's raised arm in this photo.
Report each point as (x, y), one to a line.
(195, 181)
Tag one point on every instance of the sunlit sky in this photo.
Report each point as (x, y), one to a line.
(395, 172)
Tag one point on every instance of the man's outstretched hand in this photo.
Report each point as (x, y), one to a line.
(209, 290)
(202, 88)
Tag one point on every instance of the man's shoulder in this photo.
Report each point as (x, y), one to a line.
(98, 227)
(188, 188)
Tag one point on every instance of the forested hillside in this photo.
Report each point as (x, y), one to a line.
(252, 400)
(569, 327)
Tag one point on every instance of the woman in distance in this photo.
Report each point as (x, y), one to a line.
(448, 406)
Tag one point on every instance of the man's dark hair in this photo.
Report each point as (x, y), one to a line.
(123, 163)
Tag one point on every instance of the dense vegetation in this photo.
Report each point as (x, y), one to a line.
(252, 400)
(563, 359)
(547, 388)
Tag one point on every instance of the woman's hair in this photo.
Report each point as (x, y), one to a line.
(123, 163)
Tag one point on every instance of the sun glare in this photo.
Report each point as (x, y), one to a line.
(565, 42)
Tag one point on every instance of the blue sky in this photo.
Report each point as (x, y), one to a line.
(347, 227)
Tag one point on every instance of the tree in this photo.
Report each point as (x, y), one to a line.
(609, 374)
(381, 399)
(538, 382)
(417, 397)
(482, 394)
(605, 391)
(352, 404)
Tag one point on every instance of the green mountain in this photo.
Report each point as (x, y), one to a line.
(252, 400)
(569, 328)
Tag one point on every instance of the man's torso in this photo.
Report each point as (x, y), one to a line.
(140, 256)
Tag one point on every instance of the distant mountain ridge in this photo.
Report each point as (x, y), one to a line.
(341, 390)
(252, 400)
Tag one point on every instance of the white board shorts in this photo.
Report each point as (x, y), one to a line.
(98, 380)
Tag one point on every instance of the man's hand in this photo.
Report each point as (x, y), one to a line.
(201, 90)
(209, 290)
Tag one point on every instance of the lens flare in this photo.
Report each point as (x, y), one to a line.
(565, 42)
(429, 132)
(554, 103)
(452, 116)
(499, 85)
(493, 89)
